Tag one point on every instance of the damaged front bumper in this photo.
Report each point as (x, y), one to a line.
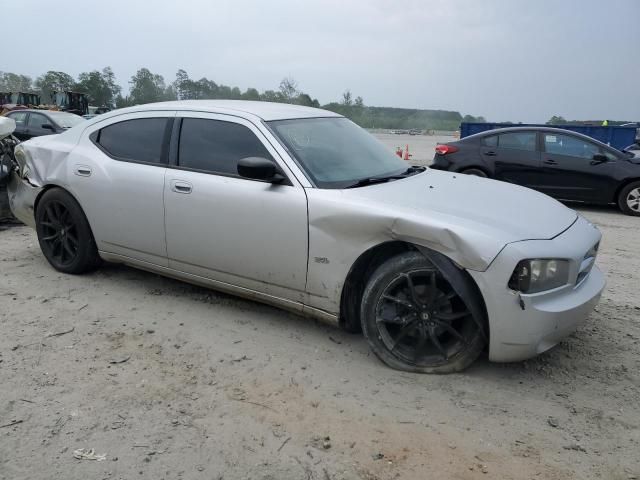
(22, 197)
(525, 325)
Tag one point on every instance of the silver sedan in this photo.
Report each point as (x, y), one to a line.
(300, 208)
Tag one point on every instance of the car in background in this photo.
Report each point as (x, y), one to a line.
(563, 164)
(307, 211)
(35, 123)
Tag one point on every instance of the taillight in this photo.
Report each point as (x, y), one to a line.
(445, 149)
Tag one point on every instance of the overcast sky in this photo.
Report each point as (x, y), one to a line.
(520, 60)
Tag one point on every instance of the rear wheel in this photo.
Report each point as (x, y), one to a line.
(64, 233)
(475, 172)
(423, 317)
(629, 199)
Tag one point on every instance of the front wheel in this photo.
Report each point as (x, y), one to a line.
(629, 199)
(422, 317)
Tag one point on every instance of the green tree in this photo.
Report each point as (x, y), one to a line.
(556, 120)
(53, 81)
(147, 87)
(100, 87)
(251, 94)
(13, 82)
(346, 98)
(359, 102)
(289, 90)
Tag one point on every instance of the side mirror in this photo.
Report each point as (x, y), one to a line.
(258, 168)
(599, 158)
(47, 126)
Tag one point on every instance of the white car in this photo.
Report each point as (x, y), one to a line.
(300, 208)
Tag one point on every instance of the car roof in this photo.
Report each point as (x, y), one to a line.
(263, 110)
(557, 130)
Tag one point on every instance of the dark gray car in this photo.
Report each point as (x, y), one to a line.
(35, 123)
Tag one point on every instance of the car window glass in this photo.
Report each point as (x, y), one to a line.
(491, 141)
(139, 140)
(19, 117)
(570, 146)
(36, 120)
(216, 146)
(518, 141)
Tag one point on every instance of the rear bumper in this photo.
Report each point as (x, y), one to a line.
(522, 326)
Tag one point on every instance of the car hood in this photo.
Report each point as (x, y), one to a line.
(467, 218)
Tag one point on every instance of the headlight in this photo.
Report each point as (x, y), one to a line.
(538, 275)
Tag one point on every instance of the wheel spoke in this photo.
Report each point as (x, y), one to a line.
(67, 248)
(433, 288)
(47, 224)
(453, 332)
(422, 339)
(450, 317)
(50, 237)
(404, 331)
(50, 213)
(399, 301)
(436, 343)
(73, 240)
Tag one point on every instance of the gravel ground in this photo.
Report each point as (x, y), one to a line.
(173, 381)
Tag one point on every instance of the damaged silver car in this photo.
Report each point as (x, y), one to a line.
(300, 208)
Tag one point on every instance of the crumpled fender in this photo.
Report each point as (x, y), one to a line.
(41, 161)
(339, 232)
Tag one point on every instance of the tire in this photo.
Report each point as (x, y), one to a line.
(447, 303)
(629, 199)
(64, 233)
(476, 172)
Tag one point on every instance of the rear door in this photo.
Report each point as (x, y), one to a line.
(118, 175)
(570, 171)
(515, 156)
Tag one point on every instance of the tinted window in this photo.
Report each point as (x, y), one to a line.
(567, 145)
(36, 120)
(19, 117)
(216, 146)
(518, 141)
(491, 141)
(139, 139)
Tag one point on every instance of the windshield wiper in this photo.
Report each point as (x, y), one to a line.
(371, 180)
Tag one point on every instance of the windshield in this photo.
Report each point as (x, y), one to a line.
(65, 120)
(335, 152)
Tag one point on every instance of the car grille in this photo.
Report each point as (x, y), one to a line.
(587, 263)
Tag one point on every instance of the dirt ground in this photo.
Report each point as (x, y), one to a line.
(172, 381)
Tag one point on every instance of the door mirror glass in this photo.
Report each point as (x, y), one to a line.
(5, 170)
(258, 168)
(47, 126)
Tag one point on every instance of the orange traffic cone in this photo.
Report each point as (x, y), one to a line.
(407, 155)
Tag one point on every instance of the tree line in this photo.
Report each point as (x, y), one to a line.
(145, 86)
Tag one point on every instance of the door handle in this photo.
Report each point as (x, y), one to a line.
(549, 161)
(180, 186)
(490, 153)
(82, 170)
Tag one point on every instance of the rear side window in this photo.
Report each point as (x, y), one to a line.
(138, 140)
(216, 146)
(491, 141)
(518, 141)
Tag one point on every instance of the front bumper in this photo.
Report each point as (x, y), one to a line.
(522, 326)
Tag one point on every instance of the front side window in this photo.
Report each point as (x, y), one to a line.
(335, 152)
(570, 146)
(216, 146)
(518, 141)
(138, 140)
(36, 120)
(491, 141)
